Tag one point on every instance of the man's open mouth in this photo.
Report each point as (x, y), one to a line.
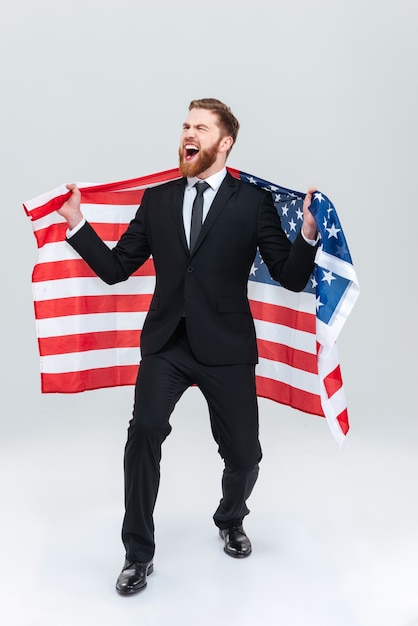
(190, 151)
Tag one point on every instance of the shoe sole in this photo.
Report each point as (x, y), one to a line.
(237, 556)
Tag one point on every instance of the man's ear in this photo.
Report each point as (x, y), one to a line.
(225, 144)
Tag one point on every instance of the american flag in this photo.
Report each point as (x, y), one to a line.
(88, 332)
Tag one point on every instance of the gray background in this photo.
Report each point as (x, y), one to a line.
(326, 95)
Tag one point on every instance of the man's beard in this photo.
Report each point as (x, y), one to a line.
(204, 160)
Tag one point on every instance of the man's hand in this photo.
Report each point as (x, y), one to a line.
(70, 210)
(309, 224)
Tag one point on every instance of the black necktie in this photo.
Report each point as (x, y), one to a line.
(197, 212)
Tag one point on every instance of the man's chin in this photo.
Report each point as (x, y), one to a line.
(189, 170)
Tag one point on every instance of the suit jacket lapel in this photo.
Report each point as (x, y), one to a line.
(177, 210)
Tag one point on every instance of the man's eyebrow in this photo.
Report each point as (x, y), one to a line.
(198, 125)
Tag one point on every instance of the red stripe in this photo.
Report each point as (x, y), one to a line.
(74, 268)
(235, 173)
(296, 398)
(51, 234)
(49, 207)
(143, 181)
(82, 305)
(284, 316)
(89, 341)
(333, 381)
(109, 232)
(342, 419)
(55, 233)
(78, 268)
(75, 382)
(129, 197)
(284, 354)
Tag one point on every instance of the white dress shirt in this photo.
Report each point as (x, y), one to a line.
(215, 182)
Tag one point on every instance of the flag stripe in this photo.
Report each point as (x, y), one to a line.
(56, 233)
(281, 372)
(297, 340)
(72, 382)
(275, 294)
(99, 322)
(283, 315)
(82, 342)
(92, 304)
(77, 268)
(91, 359)
(292, 396)
(48, 290)
(333, 381)
(285, 354)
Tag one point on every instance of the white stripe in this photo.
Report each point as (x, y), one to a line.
(278, 295)
(61, 251)
(338, 401)
(93, 322)
(275, 332)
(291, 376)
(56, 251)
(109, 213)
(81, 361)
(328, 359)
(336, 265)
(99, 213)
(332, 407)
(91, 286)
(48, 220)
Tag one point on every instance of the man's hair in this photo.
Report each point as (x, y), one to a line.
(228, 123)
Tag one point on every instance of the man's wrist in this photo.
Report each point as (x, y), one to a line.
(72, 231)
(311, 237)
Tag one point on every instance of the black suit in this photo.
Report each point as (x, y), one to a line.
(199, 324)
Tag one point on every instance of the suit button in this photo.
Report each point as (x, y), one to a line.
(189, 268)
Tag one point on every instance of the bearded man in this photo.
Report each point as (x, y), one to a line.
(199, 329)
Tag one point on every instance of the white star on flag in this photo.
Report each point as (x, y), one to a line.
(333, 231)
(328, 277)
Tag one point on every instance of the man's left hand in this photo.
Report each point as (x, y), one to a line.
(309, 225)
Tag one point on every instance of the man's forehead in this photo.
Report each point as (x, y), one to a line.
(202, 116)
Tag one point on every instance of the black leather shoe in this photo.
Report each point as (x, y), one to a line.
(236, 541)
(133, 577)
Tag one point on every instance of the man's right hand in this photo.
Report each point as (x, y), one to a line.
(70, 210)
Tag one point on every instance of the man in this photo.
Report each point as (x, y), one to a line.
(199, 329)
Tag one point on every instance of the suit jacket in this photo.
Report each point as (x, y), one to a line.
(209, 284)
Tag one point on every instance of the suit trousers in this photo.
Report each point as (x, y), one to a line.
(231, 397)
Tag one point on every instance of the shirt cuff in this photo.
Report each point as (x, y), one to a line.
(311, 242)
(73, 231)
